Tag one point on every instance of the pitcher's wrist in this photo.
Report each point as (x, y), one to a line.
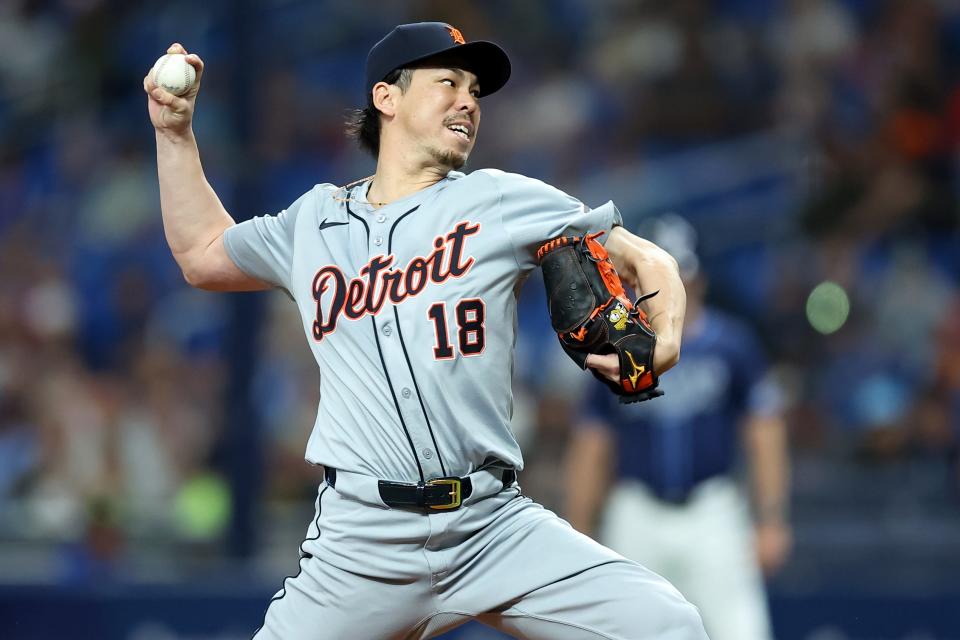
(175, 138)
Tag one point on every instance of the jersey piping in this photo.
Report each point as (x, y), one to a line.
(303, 556)
(383, 363)
(406, 356)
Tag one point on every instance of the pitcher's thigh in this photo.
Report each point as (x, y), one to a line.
(323, 602)
(620, 600)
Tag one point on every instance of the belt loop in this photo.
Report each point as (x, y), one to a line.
(330, 474)
(421, 500)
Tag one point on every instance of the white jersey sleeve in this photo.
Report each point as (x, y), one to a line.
(262, 247)
(533, 212)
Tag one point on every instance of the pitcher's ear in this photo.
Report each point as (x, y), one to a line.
(384, 97)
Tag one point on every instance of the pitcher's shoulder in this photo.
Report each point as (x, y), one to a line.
(328, 196)
(318, 202)
(499, 175)
(505, 181)
(325, 190)
(317, 193)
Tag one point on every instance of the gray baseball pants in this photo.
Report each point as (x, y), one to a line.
(371, 572)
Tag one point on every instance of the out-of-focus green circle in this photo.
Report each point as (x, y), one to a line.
(828, 307)
(202, 506)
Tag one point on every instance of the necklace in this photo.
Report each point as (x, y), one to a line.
(347, 190)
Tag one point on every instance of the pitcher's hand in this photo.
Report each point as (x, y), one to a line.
(172, 114)
(607, 365)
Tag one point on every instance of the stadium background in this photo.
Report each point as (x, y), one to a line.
(151, 436)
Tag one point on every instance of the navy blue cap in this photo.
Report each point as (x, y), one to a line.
(412, 43)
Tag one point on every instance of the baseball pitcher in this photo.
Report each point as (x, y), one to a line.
(406, 283)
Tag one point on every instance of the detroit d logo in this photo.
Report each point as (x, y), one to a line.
(456, 35)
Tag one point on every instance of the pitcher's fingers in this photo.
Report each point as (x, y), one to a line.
(148, 83)
(197, 64)
(166, 98)
(176, 47)
(607, 365)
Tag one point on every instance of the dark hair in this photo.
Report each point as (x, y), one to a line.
(364, 124)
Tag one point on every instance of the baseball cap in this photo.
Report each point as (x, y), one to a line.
(411, 43)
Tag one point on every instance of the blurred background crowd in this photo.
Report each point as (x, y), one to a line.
(154, 433)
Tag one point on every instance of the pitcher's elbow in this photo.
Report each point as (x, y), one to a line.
(193, 275)
(191, 279)
(666, 355)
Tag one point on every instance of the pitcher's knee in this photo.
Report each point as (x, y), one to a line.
(667, 617)
(686, 623)
(680, 619)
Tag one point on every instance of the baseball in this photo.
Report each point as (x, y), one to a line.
(174, 73)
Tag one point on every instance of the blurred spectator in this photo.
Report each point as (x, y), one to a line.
(552, 429)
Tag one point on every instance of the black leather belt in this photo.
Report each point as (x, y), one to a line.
(439, 494)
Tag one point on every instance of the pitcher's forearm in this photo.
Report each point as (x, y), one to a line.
(193, 216)
(666, 310)
(648, 268)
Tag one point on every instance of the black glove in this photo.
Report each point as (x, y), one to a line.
(591, 313)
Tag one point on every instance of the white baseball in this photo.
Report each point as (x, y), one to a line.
(174, 73)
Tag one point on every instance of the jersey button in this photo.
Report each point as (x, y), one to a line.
(378, 241)
(427, 453)
(381, 218)
(387, 330)
(406, 392)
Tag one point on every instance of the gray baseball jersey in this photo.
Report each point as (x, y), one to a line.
(410, 310)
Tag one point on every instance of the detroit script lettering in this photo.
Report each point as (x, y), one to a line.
(379, 280)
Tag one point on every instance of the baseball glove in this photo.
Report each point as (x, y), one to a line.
(591, 313)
